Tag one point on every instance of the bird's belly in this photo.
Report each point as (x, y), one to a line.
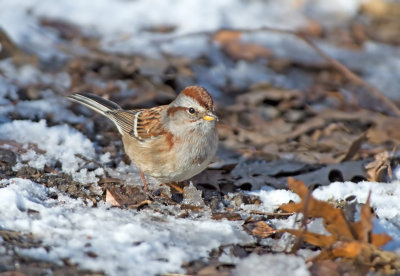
(171, 165)
(190, 170)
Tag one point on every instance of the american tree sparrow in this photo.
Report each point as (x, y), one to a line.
(171, 143)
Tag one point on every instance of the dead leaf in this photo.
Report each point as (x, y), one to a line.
(385, 129)
(350, 240)
(259, 229)
(380, 239)
(261, 93)
(312, 238)
(363, 228)
(334, 219)
(125, 196)
(237, 49)
(375, 7)
(380, 168)
(347, 249)
(110, 199)
(9, 49)
(354, 148)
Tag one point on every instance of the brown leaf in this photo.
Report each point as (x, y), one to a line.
(354, 148)
(385, 129)
(333, 219)
(261, 93)
(227, 36)
(363, 228)
(259, 229)
(110, 199)
(234, 47)
(10, 49)
(380, 167)
(312, 238)
(348, 249)
(375, 8)
(292, 207)
(348, 240)
(124, 196)
(380, 239)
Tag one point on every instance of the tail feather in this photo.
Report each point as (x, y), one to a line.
(98, 104)
(94, 102)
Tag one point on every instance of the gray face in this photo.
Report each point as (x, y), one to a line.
(187, 113)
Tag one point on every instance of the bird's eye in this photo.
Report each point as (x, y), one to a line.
(191, 110)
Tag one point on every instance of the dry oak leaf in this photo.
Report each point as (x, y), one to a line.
(333, 219)
(351, 240)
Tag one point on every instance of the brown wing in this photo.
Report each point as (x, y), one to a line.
(141, 124)
(148, 123)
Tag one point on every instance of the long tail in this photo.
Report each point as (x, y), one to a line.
(98, 104)
(94, 102)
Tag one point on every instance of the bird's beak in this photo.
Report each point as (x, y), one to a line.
(210, 117)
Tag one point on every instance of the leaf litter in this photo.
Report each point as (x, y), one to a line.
(282, 115)
(347, 240)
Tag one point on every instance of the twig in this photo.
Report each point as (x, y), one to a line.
(269, 214)
(88, 160)
(352, 77)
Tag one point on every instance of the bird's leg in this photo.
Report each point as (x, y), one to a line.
(144, 181)
(148, 193)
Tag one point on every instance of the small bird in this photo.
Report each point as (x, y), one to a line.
(171, 143)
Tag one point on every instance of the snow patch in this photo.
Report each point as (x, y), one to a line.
(258, 265)
(48, 145)
(122, 240)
